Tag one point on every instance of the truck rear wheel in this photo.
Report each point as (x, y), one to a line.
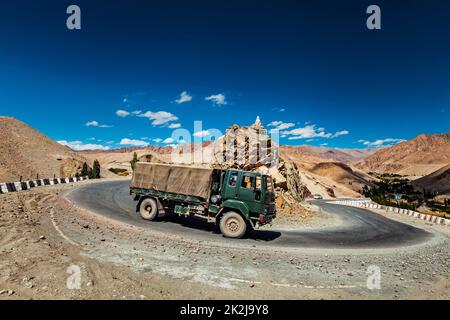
(232, 225)
(148, 209)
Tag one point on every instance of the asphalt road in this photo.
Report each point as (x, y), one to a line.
(359, 228)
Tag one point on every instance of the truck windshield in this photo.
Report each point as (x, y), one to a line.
(269, 184)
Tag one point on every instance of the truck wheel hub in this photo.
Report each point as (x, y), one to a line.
(233, 225)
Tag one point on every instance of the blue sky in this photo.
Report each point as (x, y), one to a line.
(311, 68)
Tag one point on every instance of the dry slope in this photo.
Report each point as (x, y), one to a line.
(438, 181)
(343, 174)
(420, 156)
(120, 158)
(324, 176)
(344, 155)
(26, 152)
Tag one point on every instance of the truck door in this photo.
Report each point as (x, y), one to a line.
(230, 190)
(250, 191)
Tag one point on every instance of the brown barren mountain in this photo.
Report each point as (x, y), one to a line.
(326, 176)
(345, 155)
(352, 178)
(420, 156)
(26, 153)
(120, 158)
(436, 182)
(150, 148)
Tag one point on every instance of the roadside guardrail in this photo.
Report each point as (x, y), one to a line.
(8, 187)
(368, 204)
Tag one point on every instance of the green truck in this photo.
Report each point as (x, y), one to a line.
(235, 200)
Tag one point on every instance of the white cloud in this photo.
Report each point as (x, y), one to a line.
(174, 125)
(92, 124)
(159, 118)
(340, 133)
(122, 113)
(280, 125)
(171, 142)
(96, 124)
(380, 142)
(158, 140)
(307, 132)
(184, 97)
(133, 142)
(202, 133)
(136, 112)
(311, 131)
(217, 99)
(80, 146)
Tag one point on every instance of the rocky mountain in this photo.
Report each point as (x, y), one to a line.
(420, 156)
(436, 182)
(150, 148)
(345, 155)
(26, 153)
(326, 177)
(120, 158)
(343, 174)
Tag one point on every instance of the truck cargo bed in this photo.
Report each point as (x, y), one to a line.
(172, 179)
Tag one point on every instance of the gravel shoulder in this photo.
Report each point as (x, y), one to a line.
(43, 234)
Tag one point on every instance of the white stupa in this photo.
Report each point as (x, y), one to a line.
(257, 124)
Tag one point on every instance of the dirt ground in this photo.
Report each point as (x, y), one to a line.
(45, 240)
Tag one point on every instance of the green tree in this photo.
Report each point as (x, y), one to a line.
(84, 170)
(96, 170)
(135, 159)
(366, 191)
(90, 173)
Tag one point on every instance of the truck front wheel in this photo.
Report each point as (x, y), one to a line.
(232, 225)
(148, 209)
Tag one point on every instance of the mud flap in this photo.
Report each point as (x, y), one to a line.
(139, 199)
(161, 211)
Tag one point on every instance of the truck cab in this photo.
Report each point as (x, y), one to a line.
(250, 192)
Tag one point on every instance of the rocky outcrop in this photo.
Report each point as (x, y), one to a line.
(251, 148)
(70, 167)
(244, 147)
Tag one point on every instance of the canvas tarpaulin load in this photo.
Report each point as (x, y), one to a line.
(175, 179)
